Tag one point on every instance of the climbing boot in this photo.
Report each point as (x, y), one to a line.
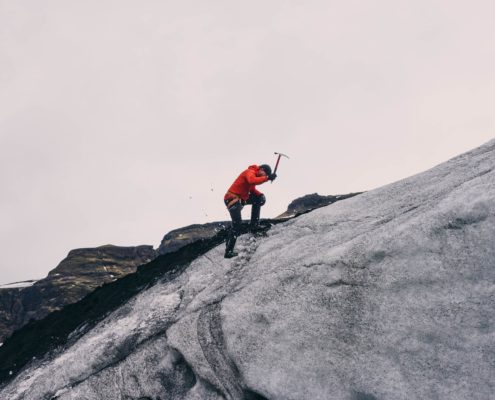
(230, 254)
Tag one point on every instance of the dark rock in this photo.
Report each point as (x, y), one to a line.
(310, 202)
(10, 307)
(77, 275)
(178, 238)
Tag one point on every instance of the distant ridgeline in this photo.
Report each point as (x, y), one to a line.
(83, 270)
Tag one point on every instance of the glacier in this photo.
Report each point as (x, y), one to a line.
(386, 295)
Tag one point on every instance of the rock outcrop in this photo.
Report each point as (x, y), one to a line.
(311, 202)
(178, 238)
(78, 274)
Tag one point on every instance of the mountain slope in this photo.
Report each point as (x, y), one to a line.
(387, 295)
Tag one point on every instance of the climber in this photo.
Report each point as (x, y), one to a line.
(243, 192)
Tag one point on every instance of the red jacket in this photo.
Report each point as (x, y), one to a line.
(246, 182)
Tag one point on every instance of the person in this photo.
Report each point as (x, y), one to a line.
(243, 191)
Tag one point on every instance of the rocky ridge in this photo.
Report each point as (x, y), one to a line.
(311, 202)
(83, 270)
(78, 274)
(177, 238)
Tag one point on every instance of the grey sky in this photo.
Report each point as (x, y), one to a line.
(122, 120)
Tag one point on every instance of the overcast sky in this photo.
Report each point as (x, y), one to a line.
(122, 120)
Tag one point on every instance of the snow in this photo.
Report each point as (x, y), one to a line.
(387, 295)
(17, 285)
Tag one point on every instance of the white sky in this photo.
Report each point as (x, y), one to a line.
(122, 120)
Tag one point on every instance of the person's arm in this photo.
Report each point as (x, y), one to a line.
(252, 179)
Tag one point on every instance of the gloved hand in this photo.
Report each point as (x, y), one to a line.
(272, 177)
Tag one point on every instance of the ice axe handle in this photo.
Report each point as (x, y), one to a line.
(276, 165)
(278, 160)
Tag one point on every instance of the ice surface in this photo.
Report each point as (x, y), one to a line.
(18, 285)
(387, 295)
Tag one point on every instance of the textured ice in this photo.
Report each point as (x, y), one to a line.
(387, 295)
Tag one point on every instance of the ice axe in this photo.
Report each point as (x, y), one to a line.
(278, 160)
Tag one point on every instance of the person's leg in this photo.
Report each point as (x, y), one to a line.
(235, 229)
(257, 202)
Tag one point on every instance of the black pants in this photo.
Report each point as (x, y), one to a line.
(235, 214)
